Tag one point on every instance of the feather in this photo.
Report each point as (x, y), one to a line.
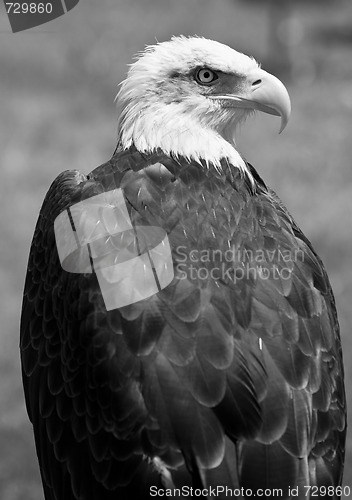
(297, 438)
(264, 466)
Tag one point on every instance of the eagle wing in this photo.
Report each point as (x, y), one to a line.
(76, 389)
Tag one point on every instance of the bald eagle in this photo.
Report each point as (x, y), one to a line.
(227, 379)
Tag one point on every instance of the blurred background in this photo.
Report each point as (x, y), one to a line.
(57, 87)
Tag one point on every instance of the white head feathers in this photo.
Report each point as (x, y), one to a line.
(164, 104)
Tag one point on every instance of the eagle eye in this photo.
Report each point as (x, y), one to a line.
(206, 76)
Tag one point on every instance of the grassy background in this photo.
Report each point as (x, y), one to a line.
(57, 87)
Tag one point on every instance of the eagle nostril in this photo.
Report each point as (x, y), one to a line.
(257, 82)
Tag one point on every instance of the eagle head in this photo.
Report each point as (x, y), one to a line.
(186, 97)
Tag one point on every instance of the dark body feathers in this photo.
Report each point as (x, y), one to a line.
(230, 379)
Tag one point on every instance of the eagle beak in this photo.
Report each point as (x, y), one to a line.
(263, 92)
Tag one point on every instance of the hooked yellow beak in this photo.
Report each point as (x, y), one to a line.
(263, 92)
